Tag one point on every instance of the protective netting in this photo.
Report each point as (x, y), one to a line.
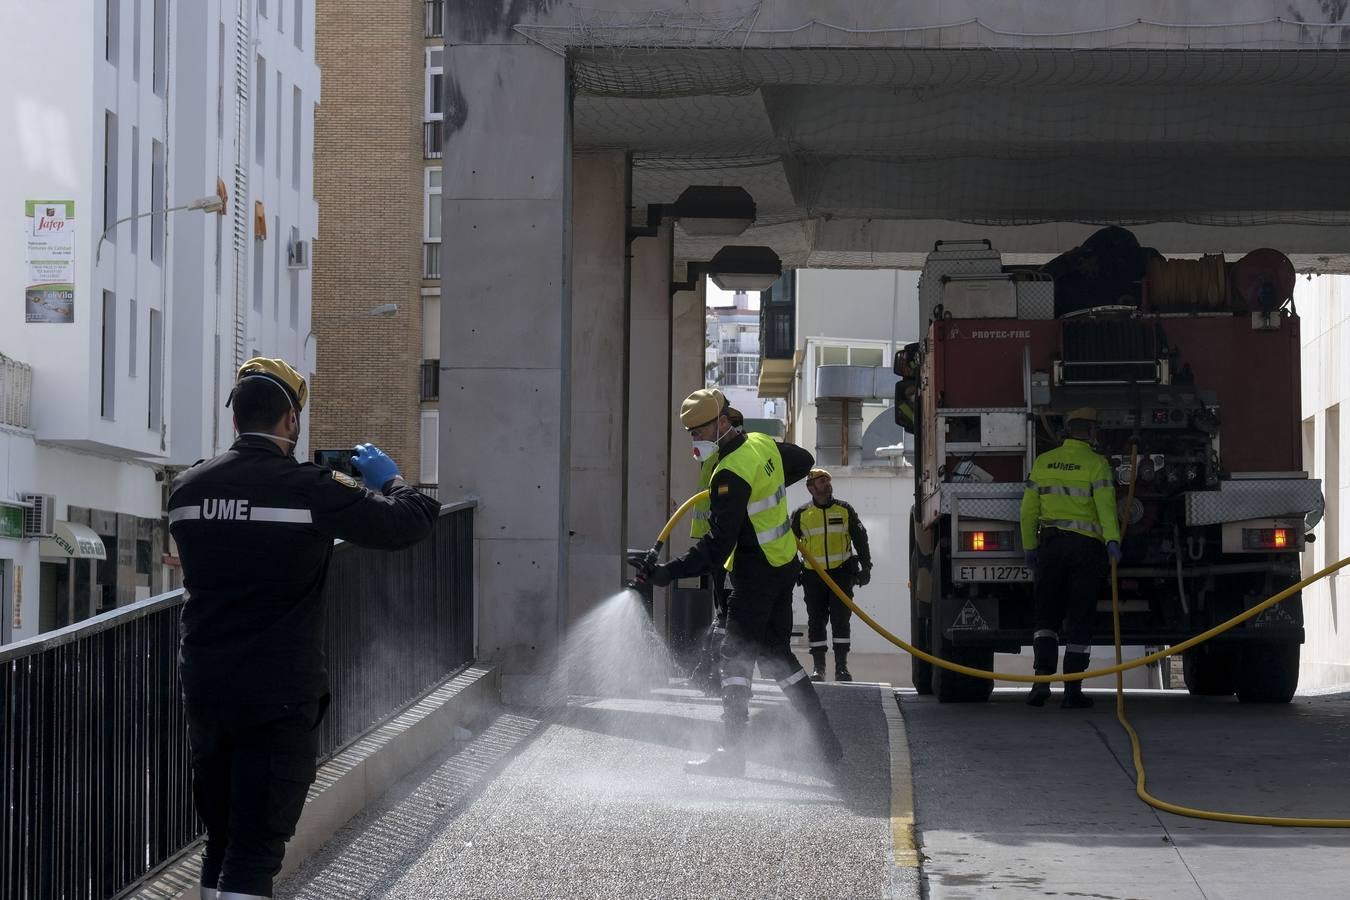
(1140, 123)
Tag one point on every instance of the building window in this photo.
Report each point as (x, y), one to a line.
(132, 344)
(281, 16)
(428, 471)
(260, 89)
(280, 117)
(865, 356)
(299, 27)
(435, 86)
(295, 282)
(135, 224)
(158, 201)
(161, 50)
(262, 8)
(110, 174)
(297, 132)
(156, 417)
(432, 196)
(108, 367)
(258, 275)
(435, 25)
(112, 20)
(276, 270)
(136, 42)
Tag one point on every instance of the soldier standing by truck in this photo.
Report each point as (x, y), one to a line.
(1068, 513)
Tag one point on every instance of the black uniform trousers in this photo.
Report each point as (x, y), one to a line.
(252, 765)
(759, 629)
(823, 606)
(1070, 572)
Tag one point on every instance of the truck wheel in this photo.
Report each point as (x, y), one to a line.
(1268, 672)
(920, 635)
(1209, 670)
(920, 605)
(953, 687)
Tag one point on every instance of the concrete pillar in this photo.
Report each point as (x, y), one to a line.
(688, 329)
(649, 412)
(505, 427)
(596, 383)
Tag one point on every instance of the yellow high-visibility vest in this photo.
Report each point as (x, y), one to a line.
(758, 463)
(698, 521)
(826, 533)
(1071, 489)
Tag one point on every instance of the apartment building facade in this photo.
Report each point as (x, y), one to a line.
(377, 290)
(132, 115)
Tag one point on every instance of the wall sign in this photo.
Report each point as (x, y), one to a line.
(49, 287)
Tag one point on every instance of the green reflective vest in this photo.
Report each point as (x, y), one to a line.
(826, 533)
(758, 463)
(698, 522)
(1071, 489)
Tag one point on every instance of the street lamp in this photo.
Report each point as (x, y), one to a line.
(214, 203)
(703, 211)
(383, 311)
(734, 268)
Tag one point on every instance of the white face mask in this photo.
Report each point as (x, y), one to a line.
(705, 450)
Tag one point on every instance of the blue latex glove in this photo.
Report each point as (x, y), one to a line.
(1113, 551)
(375, 466)
(1032, 557)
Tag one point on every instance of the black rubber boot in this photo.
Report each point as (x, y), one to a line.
(818, 661)
(1074, 698)
(802, 695)
(729, 759)
(1046, 658)
(841, 672)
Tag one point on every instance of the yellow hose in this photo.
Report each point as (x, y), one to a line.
(1136, 749)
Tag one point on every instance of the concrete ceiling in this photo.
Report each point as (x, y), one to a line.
(865, 157)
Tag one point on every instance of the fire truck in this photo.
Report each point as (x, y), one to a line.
(1193, 369)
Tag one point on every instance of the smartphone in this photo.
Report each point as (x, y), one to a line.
(337, 460)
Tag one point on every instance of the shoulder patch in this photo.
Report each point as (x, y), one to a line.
(723, 489)
(345, 480)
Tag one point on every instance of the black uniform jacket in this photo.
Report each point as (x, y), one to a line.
(729, 528)
(255, 532)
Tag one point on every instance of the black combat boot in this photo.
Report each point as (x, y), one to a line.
(1074, 698)
(728, 760)
(818, 659)
(841, 672)
(1045, 649)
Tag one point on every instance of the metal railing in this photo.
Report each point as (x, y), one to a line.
(431, 260)
(16, 392)
(431, 379)
(97, 775)
(435, 18)
(431, 139)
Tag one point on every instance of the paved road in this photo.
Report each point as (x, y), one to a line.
(1016, 802)
(594, 802)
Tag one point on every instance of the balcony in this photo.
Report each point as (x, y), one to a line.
(432, 138)
(431, 379)
(16, 393)
(435, 12)
(431, 260)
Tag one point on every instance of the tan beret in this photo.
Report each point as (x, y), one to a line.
(817, 473)
(701, 407)
(1082, 414)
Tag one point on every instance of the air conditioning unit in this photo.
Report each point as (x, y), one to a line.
(39, 520)
(297, 255)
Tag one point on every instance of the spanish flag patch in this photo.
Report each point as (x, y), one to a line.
(723, 489)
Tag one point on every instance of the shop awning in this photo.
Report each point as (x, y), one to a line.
(72, 541)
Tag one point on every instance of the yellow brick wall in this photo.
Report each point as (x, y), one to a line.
(368, 183)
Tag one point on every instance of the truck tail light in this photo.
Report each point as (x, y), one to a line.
(987, 540)
(1268, 539)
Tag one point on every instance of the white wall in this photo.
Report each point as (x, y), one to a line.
(883, 499)
(1324, 304)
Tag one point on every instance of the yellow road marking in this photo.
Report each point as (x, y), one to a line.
(902, 785)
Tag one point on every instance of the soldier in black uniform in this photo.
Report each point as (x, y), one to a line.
(255, 531)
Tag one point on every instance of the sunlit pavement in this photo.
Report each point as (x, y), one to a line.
(1020, 802)
(592, 801)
